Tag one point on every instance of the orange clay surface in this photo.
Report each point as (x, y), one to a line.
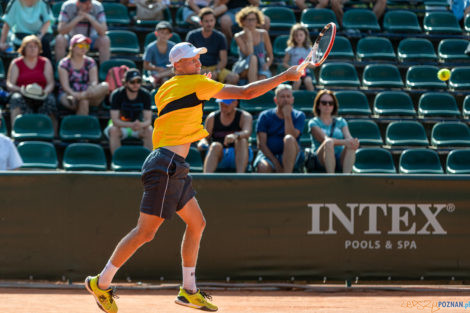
(319, 300)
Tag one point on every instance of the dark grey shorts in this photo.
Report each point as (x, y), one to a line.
(167, 185)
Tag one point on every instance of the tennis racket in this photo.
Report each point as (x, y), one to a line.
(321, 48)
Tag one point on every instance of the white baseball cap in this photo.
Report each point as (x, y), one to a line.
(184, 50)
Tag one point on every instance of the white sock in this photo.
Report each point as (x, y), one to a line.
(189, 279)
(107, 276)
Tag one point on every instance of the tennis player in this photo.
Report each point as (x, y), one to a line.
(167, 185)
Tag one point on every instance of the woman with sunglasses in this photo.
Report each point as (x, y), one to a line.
(78, 76)
(333, 145)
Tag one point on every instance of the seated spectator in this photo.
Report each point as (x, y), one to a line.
(31, 82)
(215, 59)
(298, 48)
(192, 9)
(10, 159)
(150, 9)
(131, 115)
(254, 45)
(156, 55)
(78, 76)
(333, 145)
(278, 133)
(85, 17)
(460, 8)
(229, 130)
(27, 17)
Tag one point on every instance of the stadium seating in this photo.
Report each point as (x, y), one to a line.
(305, 140)
(129, 158)
(259, 104)
(466, 106)
(338, 74)
(466, 23)
(441, 22)
(374, 160)
(80, 127)
(375, 48)
(420, 161)
(437, 104)
(38, 154)
(3, 126)
(116, 14)
(450, 134)
(151, 37)
(279, 46)
(416, 50)
(393, 103)
(366, 131)
(303, 100)
(401, 21)
(32, 127)
(352, 102)
(123, 41)
(453, 50)
(342, 49)
(316, 19)
(2, 70)
(424, 77)
(405, 133)
(252, 139)
(84, 157)
(106, 65)
(195, 160)
(458, 162)
(166, 17)
(282, 19)
(460, 78)
(360, 19)
(381, 76)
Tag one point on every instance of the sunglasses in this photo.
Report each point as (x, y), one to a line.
(135, 81)
(82, 45)
(323, 102)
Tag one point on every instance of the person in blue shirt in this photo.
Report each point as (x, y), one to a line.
(332, 142)
(278, 133)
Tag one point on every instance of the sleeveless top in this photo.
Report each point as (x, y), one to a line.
(28, 76)
(220, 131)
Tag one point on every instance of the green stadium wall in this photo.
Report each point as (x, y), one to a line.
(56, 224)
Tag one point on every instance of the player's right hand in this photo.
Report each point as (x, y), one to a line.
(292, 74)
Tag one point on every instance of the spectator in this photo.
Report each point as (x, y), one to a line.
(27, 17)
(85, 17)
(150, 9)
(337, 7)
(229, 129)
(215, 59)
(254, 45)
(460, 8)
(298, 48)
(192, 9)
(333, 145)
(10, 159)
(31, 81)
(278, 132)
(78, 76)
(156, 55)
(131, 115)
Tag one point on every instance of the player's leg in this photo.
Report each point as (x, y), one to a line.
(213, 157)
(289, 154)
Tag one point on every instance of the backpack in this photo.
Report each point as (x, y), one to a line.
(115, 76)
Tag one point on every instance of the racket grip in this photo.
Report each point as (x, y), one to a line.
(301, 67)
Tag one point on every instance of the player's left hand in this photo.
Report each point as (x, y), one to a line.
(208, 74)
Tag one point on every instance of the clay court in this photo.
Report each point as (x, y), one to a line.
(53, 298)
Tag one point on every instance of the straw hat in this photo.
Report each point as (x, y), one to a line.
(33, 91)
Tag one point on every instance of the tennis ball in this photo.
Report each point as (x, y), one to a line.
(443, 74)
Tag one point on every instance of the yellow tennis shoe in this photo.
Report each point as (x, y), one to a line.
(196, 300)
(104, 298)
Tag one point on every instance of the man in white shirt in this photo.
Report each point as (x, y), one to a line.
(10, 159)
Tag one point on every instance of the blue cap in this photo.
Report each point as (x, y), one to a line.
(226, 101)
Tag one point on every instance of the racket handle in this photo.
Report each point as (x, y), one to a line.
(301, 67)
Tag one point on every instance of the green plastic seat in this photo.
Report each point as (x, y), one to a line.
(282, 19)
(32, 127)
(450, 134)
(375, 48)
(466, 23)
(166, 17)
(234, 48)
(466, 106)
(116, 14)
(406, 133)
(195, 160)
(352, 102)
(210, 106)
(106, 65)
(437, 104)
(38, 154)
(123, 41)
(424, 77)
(391, 103)
(252, 138)
(460, 78)
(129, 158)
(361, 19)
(338, 74)
(458, 162)
(304, 139)
(342, 49)
(80, 127)
(416, 50)
(314, 18)
(453, 50)
(150, 37)
(258, 104)
(2, 70)
(374, 160)
(3, 126)
(441, 22)
(366, 131)
(55, 9)
(182, 25)
(401, 21)
(420, 161)
(280, 45)
(84, 157)
(303, 100)
(381, 76)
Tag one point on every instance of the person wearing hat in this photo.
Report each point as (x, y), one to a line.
(78, 75)
(131, 115)
(229, 129)
(85, 17)
(156, 54)
(167, 185)
(30, 79)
